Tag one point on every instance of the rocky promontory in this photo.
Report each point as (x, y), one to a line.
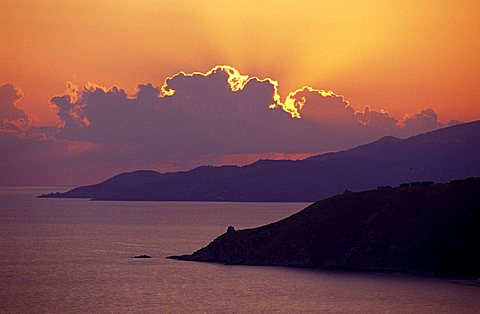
(415, 227)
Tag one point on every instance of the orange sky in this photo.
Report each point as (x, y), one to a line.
(401, 56)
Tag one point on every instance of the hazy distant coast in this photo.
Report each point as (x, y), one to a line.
(440, 156)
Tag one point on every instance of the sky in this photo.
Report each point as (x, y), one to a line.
(92, 88)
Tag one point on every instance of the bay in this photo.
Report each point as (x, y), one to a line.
(74, 255)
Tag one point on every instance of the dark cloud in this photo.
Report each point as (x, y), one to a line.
(11, 118)
(380, 121)
(421, 122)
(323, 107)
(197, 118)
(14, 121)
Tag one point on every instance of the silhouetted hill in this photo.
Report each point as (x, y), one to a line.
(418, 227)
(439, 156)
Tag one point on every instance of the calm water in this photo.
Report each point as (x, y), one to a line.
(74, 256)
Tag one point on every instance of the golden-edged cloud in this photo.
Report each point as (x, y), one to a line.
(223, 111)
(197, 118)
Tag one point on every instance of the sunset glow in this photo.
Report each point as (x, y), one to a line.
(168, 85)
(320, 145)
(398, 56)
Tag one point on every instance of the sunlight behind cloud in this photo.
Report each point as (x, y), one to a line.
(370, 50)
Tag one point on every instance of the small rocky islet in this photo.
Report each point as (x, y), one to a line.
(141, 256)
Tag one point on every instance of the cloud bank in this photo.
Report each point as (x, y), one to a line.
(192, 119)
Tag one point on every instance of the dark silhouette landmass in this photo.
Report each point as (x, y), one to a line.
(142, 256)
(418, 227)
(440, 156)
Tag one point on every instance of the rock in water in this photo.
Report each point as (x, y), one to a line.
(142, 256)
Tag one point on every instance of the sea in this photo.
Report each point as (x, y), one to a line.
(75, 256)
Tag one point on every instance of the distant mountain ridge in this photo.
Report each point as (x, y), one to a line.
(440, 156)
(418, 227)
